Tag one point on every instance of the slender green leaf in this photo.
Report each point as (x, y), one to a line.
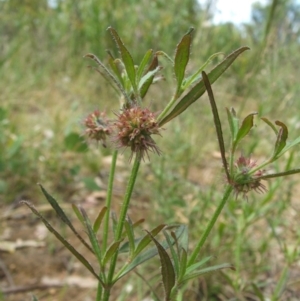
(175, 253)
(245, 128)
(146, 239)
(147, 81)
(126, 58)
(217, 122)
(197, 75)
(54, 204)
(109, 75)
(197, 265)
(34, 298)
(148, 254)
(92, 236)
(182, 265)
(167, 269)
(289, 145)
(142, 67)
(138, 222)
(189, 276)
(111, 251)
(63, 241)
(99, 219)
(198, 90)
(182, 56)
(281, 138)
(233, 122)
(162, 53)
(78, 213)
(130, 234)
(280, 174)
(270, 124)
(116, 68)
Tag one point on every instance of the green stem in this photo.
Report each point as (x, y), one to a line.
(120, 226)
(210, 225)
(99, 292)
(127, 197)
(167, 108)
(108, 200)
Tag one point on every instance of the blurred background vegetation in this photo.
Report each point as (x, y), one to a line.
(47, 90)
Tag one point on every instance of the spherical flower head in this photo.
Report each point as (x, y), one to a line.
(97, 127)
(134, 128)
(244, 180)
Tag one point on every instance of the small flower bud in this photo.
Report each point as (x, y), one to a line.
(97, 127)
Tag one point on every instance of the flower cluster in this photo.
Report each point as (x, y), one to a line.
(245, 179)
(97, 127)
(133, 128)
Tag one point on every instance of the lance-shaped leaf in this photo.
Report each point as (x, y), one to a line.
(175, 254)
(146, 239)
(111, 251)
(54, 204)
(211, 269)
(115, 66)
(142, 66)
(108, 74)
(126, 58)
(279, 174)
(197, 265)
(233, 123)
(78, 213)
(148, 80)
(63, 241)
(130, 235)
(270, 124)
(245, 128)
(141, 242)
(92, 236)
(217, 122)
(281, 138)
(182, 265)
(99, 219)
(182, 56)
(149, 253)
(167, 269)
(289, 145)
(198, 90)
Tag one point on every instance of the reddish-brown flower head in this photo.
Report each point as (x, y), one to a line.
(97, 126)
(244, 180)
(134, 128)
